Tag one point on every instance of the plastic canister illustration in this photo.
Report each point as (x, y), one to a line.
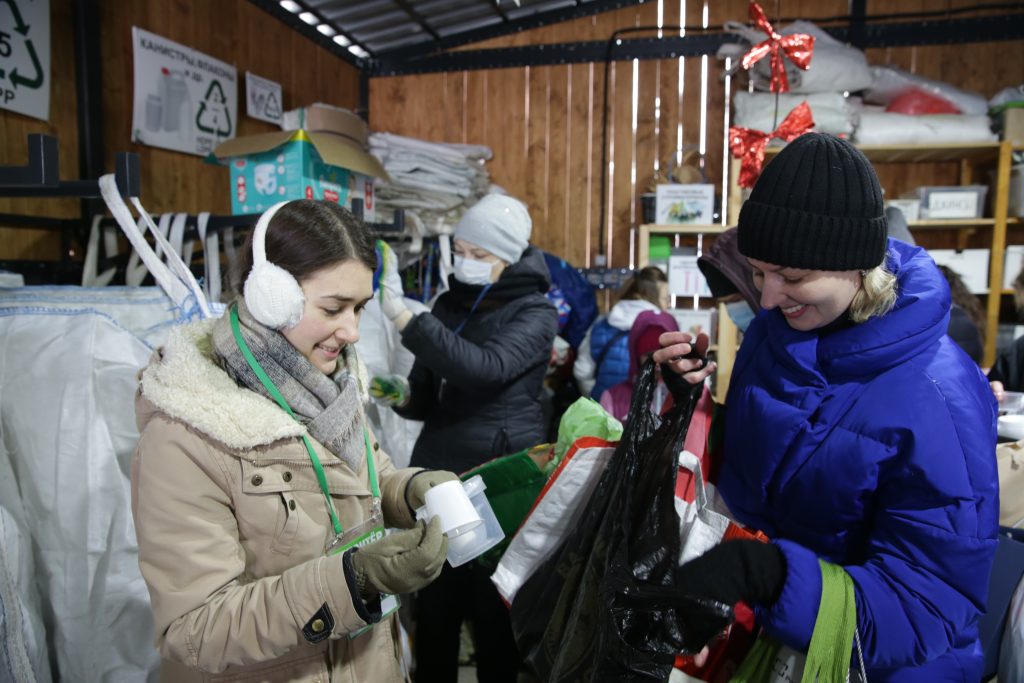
(154, 113)
(173, 93)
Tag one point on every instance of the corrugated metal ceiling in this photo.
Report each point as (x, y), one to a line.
(413, 28)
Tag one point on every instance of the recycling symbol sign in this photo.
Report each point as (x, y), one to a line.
(25, 57)
(184, 100)
(263, 98)
(213, 116)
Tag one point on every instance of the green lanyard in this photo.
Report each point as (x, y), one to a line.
(268, 384)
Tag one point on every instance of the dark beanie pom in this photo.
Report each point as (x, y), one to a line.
(817, 205)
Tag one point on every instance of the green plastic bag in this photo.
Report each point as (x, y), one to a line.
(514, 481)
(828, 657)
(513, 484)
(585, 417)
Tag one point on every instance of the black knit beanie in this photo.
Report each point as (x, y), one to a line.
(817, 205)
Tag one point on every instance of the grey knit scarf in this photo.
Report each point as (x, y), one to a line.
(327, 406)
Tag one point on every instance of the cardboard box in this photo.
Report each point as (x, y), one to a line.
(684, 204)
(274, 167)
(1012, 124)
(323, 118)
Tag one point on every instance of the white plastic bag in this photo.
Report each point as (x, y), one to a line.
(885, 128)
(703, 518)
(888, 82)
(835, 67)
(146, 312)
(67, 420)
(381, 351)
(756, 110)
(24, 656)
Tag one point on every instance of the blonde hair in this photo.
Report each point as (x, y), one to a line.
(876, 296)
(644, 285)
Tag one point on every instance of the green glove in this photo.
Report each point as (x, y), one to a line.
(421, 482)
(390, 390)
(402, 562)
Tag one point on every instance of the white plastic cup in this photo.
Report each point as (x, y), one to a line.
(482, 538)
(471, 532)
(451, 503)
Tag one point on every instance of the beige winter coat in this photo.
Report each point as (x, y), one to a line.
(232, 527)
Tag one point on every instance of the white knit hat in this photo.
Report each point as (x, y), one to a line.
(499, 224)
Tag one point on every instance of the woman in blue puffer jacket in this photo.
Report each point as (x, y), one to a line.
(857, 431)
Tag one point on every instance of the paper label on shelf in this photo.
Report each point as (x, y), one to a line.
(184, 100)
(952, 204)
(681, 204)
(685, 278)
(262, 98)
(25, 57)
(697, 321)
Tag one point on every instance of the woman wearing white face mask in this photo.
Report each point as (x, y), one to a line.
(481, 355)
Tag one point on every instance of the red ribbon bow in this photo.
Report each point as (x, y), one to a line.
(799, 47)
(749, 144)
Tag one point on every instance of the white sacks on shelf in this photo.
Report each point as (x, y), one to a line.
(756, 110)
(885, 128)
(835, 66)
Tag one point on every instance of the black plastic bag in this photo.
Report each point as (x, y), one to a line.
(605, 605)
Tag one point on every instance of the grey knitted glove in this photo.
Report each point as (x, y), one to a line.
(421, 482)
(401, 562)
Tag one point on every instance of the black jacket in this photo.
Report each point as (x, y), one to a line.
(478, 392)
(1009, 367)
(965, 333)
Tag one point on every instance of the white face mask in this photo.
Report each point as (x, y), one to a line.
(472, 272)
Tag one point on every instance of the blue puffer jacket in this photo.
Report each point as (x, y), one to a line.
(872, 447)
(614, 367)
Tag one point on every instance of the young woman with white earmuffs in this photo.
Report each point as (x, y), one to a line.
(259, 495)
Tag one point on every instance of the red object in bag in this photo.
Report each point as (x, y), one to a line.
(726, 652)
(917, 101)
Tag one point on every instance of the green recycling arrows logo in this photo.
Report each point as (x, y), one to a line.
(10, 46)
(213, 116)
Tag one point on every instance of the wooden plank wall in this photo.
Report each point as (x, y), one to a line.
(544, 123)
(234, 31)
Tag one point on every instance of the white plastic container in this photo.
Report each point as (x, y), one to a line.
(1012, 403)
(466, 541)
(482, 538)
(1008, 427)
(956, 201)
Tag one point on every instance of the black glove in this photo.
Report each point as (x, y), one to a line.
(751, 571)
(679, 387)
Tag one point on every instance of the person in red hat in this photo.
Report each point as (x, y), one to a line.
(643, 341)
